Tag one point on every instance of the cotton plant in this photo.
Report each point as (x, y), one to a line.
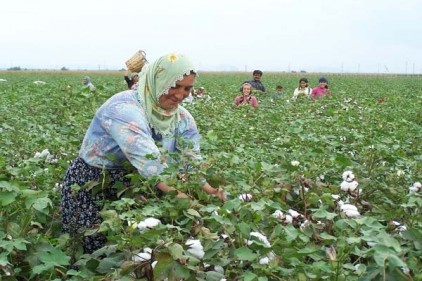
(148, 223)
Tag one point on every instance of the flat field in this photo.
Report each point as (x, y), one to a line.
(286, 154)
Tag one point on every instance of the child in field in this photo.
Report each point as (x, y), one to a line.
(303, 89)
(246, 97)
(321, 90)
(278, 93)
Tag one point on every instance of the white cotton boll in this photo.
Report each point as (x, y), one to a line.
(264, 260)
(335, 196)
(297, 190)
(245, 197)
(351, 213)
(395, 223)
(401, 228)
(400, 173)
(304, 225)
(417, 184)
(413, 189)
(279, 215)
(43, 154)
(295, 163)
(153, 264)
(348, 176)
(293, 213)
(348, 186)
(148, 223)
(39, 82)
(3, 80)
(195, 248)
(141, 257)
(261, 238)
(348, 207)
(288, 219)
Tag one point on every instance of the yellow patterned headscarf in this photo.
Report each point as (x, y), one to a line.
(155, 80)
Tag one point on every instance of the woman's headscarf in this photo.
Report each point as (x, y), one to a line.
(155, 80)
(87, 80)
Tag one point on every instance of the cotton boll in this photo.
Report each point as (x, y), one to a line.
(401, 228)
(295, 163)
(288, 219)
(348, 176)
(261, 238)
(245, 197)
(413, 189)
(349, 186)
(148, 223)
(351, 213)
(348, 207)
(416, 187)
(279, 215)
(335, 196)
(294, 213)
(141, 257)
(264, 260)
(195, 248)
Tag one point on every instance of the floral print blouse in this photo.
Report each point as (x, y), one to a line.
(119, 132)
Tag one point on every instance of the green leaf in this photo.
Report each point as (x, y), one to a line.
(245, 254)
(249, 276)
(176, 251)
(7, 197)
(193, 212)
(50, 259)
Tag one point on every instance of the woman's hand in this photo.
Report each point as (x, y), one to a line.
(182, 195)
(221, 194)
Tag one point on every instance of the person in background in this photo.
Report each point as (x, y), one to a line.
(132, 82)
(133, 131)
(279, 93)
(256, 81)
(303, 90)
(86, 81)
(199, 93)
(246, 97)
(321, 90)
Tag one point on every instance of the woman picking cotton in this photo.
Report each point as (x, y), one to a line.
(246, 97)
(129, 130)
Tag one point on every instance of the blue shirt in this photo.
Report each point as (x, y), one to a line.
(119, 133)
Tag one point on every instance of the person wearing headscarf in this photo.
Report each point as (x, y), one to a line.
(321, 89)
(86, 81)
(131, 131)
(132, 82)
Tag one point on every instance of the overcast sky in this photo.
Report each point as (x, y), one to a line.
(271, 35)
